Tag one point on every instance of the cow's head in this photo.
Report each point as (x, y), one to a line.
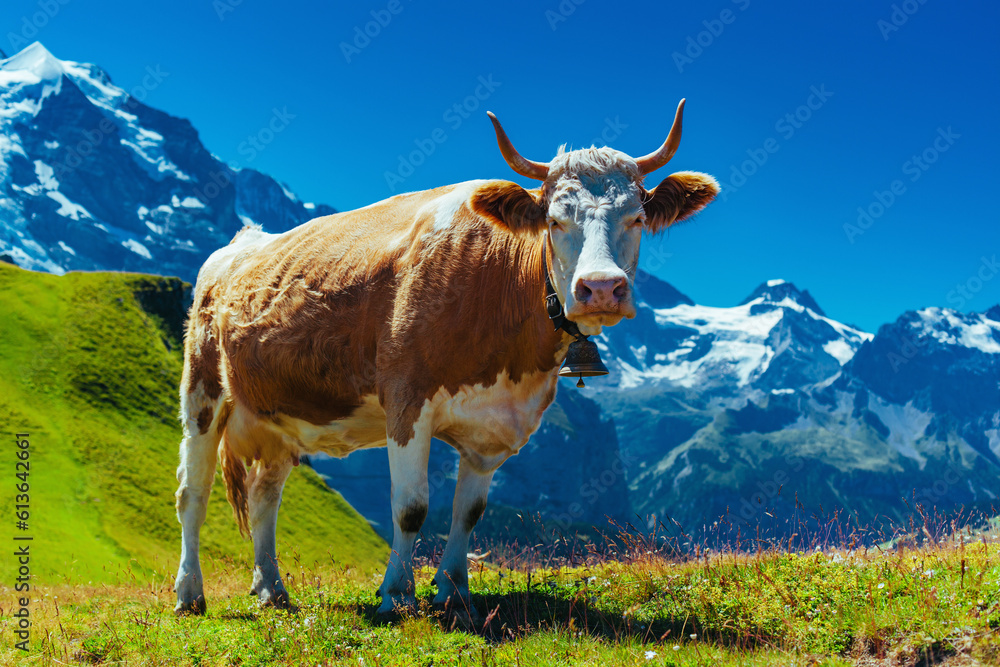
(594, 206)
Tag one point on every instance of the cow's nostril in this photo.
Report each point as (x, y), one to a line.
(601, 292)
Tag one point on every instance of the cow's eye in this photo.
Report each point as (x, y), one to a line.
(555, 224)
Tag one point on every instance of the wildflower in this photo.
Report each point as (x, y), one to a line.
(882, 585)
(650, 655)
(677, 648)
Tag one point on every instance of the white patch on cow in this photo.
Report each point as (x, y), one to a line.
(195, 474)
(446, 207)
(364, 427)
(220, 260)
(408, 469)
(490, 424)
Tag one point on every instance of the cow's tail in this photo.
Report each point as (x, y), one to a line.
(234, 473)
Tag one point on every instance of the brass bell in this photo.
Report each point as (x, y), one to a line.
(583, 360)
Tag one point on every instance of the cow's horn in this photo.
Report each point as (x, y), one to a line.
(522, 165)
(662, 155)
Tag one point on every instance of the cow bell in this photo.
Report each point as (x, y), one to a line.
(583, 360)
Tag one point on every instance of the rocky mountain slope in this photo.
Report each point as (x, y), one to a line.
(92, 178)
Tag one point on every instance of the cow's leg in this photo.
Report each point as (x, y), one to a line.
(452, 577)
(265, 486)
(195, 474)
(408, 467)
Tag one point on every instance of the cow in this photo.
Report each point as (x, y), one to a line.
(421, 316)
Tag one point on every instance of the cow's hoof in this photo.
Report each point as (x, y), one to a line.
(458, 611)
(397, 606)
(195, 607)
(278, 599)
(460, 617)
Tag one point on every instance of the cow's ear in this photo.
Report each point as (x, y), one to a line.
(509, 205)
(677, 198)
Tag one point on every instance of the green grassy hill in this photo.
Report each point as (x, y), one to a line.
(89, 367)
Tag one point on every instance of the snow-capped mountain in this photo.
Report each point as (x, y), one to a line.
(92, 178)
(912, 419)
(776, 340)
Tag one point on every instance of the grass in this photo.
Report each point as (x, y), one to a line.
(90, 365)
(935, 604)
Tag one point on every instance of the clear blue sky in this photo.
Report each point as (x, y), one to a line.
(562, 80)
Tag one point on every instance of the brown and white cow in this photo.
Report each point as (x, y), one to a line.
(419, 316)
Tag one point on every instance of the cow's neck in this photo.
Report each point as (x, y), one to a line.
(558, 331)
(538, 339)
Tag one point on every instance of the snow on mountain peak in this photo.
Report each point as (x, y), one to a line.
(34, 58)
(949, 327)
(93, 178)
(777, 291)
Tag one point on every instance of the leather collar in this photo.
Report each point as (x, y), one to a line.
(552, 305)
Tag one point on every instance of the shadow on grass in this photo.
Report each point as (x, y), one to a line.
(512, 615)
(237, 616)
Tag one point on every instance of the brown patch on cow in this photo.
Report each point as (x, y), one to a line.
(203, 368)
(227, 409)
(677, 198)
(474, 514)
(201, 349)
(234, 473)
(204, 311)
(205, 419)
(412, 517)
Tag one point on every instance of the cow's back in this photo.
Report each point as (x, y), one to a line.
(300, 314)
